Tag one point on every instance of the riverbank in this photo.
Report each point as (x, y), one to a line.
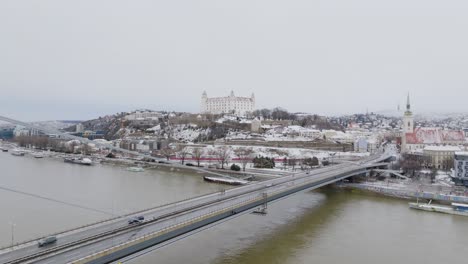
(128, 162)
(408, 192)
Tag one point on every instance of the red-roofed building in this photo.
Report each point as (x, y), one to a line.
(416, 139)
(424, 136)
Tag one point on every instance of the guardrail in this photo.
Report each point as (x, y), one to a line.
(104, 221)
(113, 232)
(161, 232)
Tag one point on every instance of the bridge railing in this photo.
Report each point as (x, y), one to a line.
(157, 233)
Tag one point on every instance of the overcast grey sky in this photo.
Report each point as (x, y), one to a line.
(81, 59)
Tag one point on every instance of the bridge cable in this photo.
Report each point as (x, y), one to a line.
(56, 201)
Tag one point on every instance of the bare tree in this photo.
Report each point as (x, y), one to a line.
(292, 163)
(411, 163)
(197, 154)
(245, 156)
(223, 154)
(211, 153)
(167, 152)
(285, 163)
(182, 152)
(447, 164)
(21, 140)
(72, 146)
(85, 149)
(309, 163)
(53, 144)
(42, 142)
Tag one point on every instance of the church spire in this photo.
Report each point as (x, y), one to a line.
(408, 105)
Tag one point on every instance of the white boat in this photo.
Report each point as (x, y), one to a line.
(224, 180)
(17, 152)
(455, 209)
(80, 161)
(38, 155)
(135, 169)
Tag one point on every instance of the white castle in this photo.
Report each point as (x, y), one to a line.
(229, 104)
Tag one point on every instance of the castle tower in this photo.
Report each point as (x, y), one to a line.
(204, 101)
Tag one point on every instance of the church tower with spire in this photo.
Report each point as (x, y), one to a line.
(408, 120)
(408, 124)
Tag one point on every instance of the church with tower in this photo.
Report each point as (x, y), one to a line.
(408, 124)
(414, 139)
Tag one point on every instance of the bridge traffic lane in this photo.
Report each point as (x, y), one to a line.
(102, 245)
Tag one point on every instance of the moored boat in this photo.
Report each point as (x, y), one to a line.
(17, 152)
(224, 180)
(80, 161)
(135, 169)
(454, 209)
(38, 155)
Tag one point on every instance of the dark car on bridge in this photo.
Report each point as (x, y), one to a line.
(136, 220)
(47, 241)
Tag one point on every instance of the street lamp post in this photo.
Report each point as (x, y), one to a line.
(332, 155)
(12, 233)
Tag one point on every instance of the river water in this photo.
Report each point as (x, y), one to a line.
(325, 226)
(106, 190)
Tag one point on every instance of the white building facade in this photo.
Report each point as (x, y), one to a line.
(227, 105)
(79, 128)
(20, 131)
(460, 173)
(441, 156)
(143, 115)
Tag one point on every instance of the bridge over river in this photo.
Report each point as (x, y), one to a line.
(115, 239)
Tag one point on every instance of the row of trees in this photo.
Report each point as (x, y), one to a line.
(276, 113)
(41, 142)
(304, 121)
(412, 163)
(54, 144)
(264, 162)
(304, 164)
(223, 154)
(244, 156)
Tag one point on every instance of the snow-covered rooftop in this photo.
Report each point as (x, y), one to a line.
(442, 148)
(430, 135)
